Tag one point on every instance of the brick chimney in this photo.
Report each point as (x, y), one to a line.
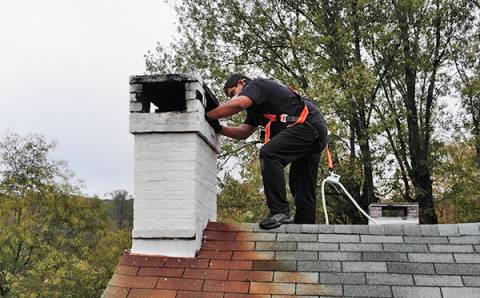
(175, 163)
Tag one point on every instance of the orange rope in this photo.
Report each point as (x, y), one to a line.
(329, 159)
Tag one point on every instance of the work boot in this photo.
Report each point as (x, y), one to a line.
(275, 220)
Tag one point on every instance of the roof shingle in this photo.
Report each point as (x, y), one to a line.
(241, 260)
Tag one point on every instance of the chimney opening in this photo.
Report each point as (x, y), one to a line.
(165, 96)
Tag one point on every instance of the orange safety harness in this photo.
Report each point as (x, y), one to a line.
(285, 118)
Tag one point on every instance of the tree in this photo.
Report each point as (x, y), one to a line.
(456, 178)
(122, 208)
(428, 34)
(467, 63)
(242, 201)
(376, 68)
(51, 236)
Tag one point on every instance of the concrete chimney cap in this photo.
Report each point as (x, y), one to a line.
(140, 79)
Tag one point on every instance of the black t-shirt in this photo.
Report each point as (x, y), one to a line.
(270, 97)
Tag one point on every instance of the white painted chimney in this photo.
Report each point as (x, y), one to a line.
(175, 163)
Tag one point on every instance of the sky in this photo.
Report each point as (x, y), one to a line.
(64, 68)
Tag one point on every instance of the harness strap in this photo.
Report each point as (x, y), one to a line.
(293, 90)
(329, 159)
(284, 118)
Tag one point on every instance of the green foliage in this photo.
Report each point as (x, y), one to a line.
(242, 201)
(55, 242)
(456, 183)
(467, 64)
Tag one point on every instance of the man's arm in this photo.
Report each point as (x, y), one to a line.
(240, 132)
(231, 107)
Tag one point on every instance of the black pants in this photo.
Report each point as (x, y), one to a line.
(300, 145)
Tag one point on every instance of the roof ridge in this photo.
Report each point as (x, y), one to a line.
(459, 229)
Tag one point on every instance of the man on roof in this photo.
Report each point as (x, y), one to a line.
(295, 133)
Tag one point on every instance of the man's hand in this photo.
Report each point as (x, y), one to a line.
(215, 124)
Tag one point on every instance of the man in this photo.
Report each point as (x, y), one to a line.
(295, 133)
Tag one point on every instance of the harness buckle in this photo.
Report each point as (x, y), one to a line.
(283, 118)
(261, 135)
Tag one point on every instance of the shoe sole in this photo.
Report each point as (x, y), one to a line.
(276, 225)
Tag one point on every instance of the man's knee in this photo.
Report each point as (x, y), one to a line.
(268, 157)
(265, 152)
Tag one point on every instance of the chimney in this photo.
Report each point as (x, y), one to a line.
(175, 163)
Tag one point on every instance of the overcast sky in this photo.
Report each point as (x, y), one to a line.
(64, 68)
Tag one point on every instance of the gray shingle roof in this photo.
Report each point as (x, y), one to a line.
(337, 260)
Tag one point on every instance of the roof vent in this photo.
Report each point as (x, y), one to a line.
(395, 213)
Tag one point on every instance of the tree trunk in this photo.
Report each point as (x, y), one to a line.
(424, 196)
(417, 147)
(121, 212)
(421, 180)
(476, 128)
(354, 185)
(368, 193)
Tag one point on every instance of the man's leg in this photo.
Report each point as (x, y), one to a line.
(303, 183)
(291, 144)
